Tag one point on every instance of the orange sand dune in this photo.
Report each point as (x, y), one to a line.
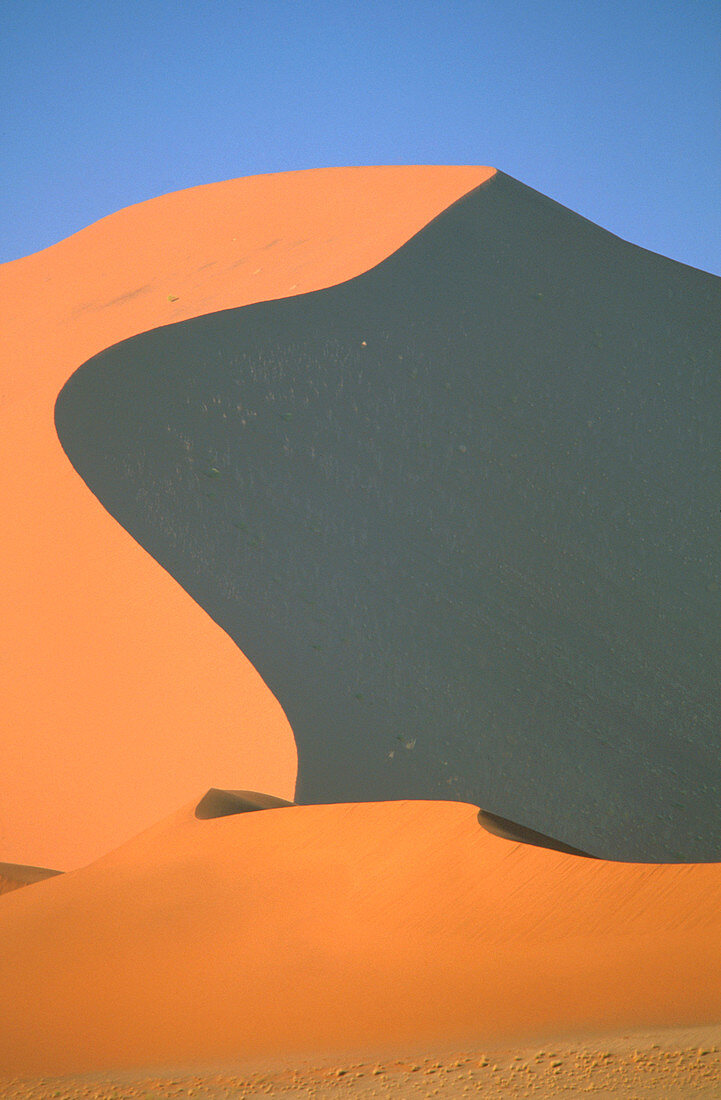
(119, 696)
(323, 928)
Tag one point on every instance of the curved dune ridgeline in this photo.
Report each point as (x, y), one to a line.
(461, 513)
(322, 929)
(119, 695)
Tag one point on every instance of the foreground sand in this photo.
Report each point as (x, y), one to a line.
(111, 670)
(327, 928)
(671, 1064)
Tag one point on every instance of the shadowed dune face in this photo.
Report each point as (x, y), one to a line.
(110, 669)
(510, 830)
(460, 512)
(217, 803)
(324, 928)
(15, 875)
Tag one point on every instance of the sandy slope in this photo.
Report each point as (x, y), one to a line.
(323, 928)
(120, 697)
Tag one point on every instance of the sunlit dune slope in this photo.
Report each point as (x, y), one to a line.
(328, 928)
(119, 695)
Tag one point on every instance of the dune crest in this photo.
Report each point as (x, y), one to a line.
(111, 668)
(458, 512)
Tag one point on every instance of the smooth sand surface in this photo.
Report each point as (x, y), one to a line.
(120, 696)
(314, 930)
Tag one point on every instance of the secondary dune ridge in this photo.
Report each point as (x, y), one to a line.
(344, 927)
(120, 697)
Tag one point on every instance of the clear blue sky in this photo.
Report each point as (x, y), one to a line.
(612, 107)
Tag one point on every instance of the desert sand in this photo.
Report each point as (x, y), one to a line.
(120, 697)
(242, 944)
(675, 1063)
(345, 928)
(460, 513)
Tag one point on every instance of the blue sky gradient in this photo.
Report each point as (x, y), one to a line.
(611, 107)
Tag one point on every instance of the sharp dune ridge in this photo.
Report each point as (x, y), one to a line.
(110, 665)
